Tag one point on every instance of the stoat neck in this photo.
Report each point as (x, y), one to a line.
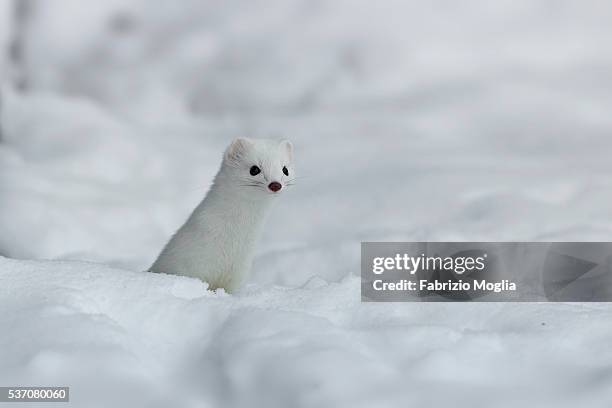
(231, 205)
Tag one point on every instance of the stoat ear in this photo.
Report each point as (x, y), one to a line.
(287, 146)
(238, 147)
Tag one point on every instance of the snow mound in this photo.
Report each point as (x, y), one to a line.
(123, 338)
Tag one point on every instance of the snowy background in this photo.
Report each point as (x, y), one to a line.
(436, 120)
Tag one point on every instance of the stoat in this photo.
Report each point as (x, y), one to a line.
(216, 242)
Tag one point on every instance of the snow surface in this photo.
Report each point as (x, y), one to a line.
(125, 338)
(411, 121)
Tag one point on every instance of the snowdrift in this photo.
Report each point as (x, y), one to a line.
(124, 338)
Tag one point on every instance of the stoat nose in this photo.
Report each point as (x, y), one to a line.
(275, 186)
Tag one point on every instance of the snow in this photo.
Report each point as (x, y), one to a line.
(125, 337)
(411, 121)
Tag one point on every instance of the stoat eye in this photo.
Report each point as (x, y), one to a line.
(285, 171)
(254, 170)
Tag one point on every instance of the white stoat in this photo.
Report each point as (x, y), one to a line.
(216, 243)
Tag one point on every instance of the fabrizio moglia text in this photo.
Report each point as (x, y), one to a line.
(460, 265)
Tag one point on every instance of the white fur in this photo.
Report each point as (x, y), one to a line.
(216, 243)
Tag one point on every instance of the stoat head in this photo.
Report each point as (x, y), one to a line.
(261, 166)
